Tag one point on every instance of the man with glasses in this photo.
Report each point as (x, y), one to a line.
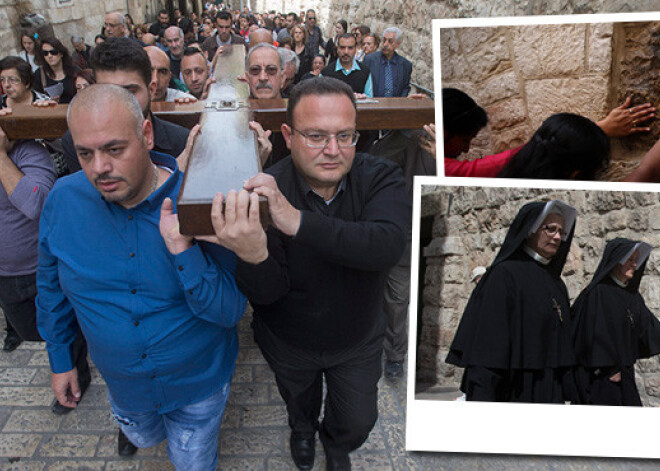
(115, 25)
(314, 36)
(264, 71)
(339, 221)
(515, 336)
(223, 36)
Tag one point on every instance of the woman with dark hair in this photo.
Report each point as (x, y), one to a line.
(341, 27)
(98, 39)
(566, 147)
(17, 78)
(83, 79)
(55, 76)
(463, 118)
(317, 65)
(29, 45)
(613, 327)
(130, 25)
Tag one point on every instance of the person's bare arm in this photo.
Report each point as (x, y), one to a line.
(649, 168)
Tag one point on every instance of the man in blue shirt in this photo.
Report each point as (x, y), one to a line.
(157, 309)
(347, 69)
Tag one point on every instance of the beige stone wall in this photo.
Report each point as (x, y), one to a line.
(82, 17)
(469, 226)
(523, 74)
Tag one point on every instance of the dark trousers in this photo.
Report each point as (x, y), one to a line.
(17, 295)
(396, 300)
(351, 377)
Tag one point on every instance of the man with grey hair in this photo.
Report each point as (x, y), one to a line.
(264, 71)
(173, 38)
(167, 347)
(291, 63)
(115, 25)
(390, 71)
(81, 52)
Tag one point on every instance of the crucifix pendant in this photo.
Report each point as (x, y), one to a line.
(630, 317)
(556, 306)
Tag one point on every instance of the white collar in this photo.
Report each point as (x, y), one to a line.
(539, 258)
(618, 281)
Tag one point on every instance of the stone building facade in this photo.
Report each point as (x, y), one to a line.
(523, 74)
(468, 228)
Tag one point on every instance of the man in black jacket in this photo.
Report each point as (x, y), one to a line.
(123, 62)
(338, 223)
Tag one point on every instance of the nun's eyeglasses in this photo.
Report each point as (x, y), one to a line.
(552, 229)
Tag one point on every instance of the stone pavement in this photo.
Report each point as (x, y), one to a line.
(254, 434)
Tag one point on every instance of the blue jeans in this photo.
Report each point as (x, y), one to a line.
(191, 431)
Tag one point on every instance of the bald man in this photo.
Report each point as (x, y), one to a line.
(260, 35)
(161, 76)
(166, 347)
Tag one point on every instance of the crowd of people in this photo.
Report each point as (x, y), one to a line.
(520, 340)
(158, 310)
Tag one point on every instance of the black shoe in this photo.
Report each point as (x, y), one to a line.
(302, 451)
(393, 369)
(338, 463)
(124, 445)
(12, 341)
(83, 382)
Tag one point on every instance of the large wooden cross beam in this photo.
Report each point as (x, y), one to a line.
(387, 113)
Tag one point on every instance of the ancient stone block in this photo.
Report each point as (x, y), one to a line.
(599, 47)
(549, 50)
(498, 87)
(586, 95)
(507, 113)
(444, 246)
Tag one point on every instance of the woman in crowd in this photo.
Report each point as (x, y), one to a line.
(17, 79)
(98, 39)
(299, 36)
(317, 65)
(83, 79)
(29, 46)
(130, 25)
(331, 46)
(566, 147)
(360, 32)
(613, 327)
(140, 30)
(56, 71)
(463, 118)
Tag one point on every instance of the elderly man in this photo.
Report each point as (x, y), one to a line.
(195, 72)
(370, 43)
(173, 39)
(161, 77)
(390, 71)
(347, 69)
(514, 339)
(339, 222)
(115, 25)
(158, 311)
(80, 55)
(223, 36)
(291, 68)
(125, 63)
(264, 71)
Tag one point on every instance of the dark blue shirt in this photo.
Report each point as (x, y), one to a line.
(160, 327)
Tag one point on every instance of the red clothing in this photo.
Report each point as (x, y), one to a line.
(488, 166)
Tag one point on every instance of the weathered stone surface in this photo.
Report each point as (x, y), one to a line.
(18, 444)
(69, 446)
(506, 114)
(548, 96)
(599, 43)
(498, 87)
(549, 50)
(33, 421)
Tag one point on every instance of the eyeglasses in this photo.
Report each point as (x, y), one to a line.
(318, 140)
(552, 229)
(271, 70)
(50, 52)
(10, 80)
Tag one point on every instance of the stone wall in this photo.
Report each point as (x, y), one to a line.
(81, 17)
(469, 226)
(523, 74)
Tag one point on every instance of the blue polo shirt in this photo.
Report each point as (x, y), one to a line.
(160, 328)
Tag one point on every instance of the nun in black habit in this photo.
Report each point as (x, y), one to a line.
(514, 339)
(613, 327)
